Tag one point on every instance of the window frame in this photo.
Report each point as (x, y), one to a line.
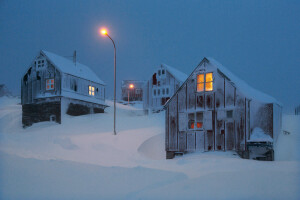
(195, 121)
(204, 82)
(91, 91)
(51, 83)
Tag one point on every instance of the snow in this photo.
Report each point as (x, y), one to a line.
(82, 159)
(243, 86)
(180, 76)
(68, 67)
(258, 135)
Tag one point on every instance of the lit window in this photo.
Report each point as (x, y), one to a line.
(50, 84)
(199, 120)
(209, 82)
(205, 82)
(200, 82)
(91, 91)
(191, 122)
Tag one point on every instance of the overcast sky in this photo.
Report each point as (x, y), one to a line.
(259, 41)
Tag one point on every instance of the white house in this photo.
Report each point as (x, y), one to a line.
(161, 86)
(53, 85)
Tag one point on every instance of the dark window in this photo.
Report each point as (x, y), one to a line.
(167, 91)
(158, 92)
(154, 92)
(163, 91)
(158, 72)
(163, 71)
(200, 101)
(229, 114)
(209, 101)
(154, 80)
(158, 83)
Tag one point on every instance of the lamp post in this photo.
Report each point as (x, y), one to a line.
(131, 86)
(104, 32)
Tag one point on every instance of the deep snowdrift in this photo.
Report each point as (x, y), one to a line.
(82, 159)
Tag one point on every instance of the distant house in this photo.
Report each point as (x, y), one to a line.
(214, 110)
(161, 86)
(53, 85)
(132, 90)
(4, 91)
(297, 110)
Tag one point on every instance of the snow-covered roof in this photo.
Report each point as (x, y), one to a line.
(247, 90)
(180, 76)
(242, 85)
(68, 67)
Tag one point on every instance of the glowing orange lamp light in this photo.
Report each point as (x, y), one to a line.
(103, 31)
(131, 86)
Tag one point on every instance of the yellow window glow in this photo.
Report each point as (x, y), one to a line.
(200, 87)
(200, 78)
(209, 77)
(209, 86)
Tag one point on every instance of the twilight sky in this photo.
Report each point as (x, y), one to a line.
(259, 41)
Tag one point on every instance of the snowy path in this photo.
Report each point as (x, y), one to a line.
(81, 158)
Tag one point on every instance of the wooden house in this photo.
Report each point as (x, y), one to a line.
(132, 90)
(53, 85)
(213, 110)
(161, 86)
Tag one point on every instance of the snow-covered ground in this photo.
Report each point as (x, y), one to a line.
(82, 159)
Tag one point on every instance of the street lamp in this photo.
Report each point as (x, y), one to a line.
(103, 31)
(131, 86)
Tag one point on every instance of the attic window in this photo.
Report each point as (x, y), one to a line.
(50, 84)
(91, 90)
(40, 63)
(205, 81)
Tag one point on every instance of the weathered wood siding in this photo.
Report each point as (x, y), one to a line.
(228, 116)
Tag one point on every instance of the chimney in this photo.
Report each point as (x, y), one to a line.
(74, 57)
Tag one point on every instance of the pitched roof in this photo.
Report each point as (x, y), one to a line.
(68, 67)
(176, 73)
(244, 88)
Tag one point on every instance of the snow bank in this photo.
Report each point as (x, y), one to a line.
(287, 147)
(82, 159)
(258, 135)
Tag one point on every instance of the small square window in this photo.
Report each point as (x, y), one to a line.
(229, 114)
